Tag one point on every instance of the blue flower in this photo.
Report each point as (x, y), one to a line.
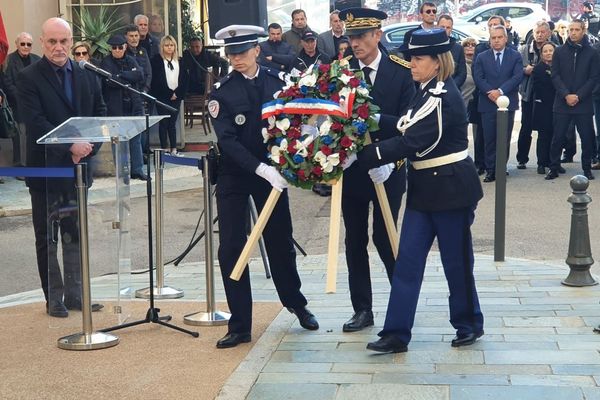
(304, 89)
(360, 126)
(327, 140)
(298, 159)
(278, 140)
(290, 175)
(332, 87)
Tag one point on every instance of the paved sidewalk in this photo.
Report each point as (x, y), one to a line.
(539, 342)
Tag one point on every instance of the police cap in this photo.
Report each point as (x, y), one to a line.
(360, 20)
(239, 38)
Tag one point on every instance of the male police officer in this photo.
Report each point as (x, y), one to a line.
(392, 89)
(235, 107)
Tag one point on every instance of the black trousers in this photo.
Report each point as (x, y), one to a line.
(232, 207)
(524, 141)
(53, 216)
(355, 210)
(478, 144)
(570, 141)
(544, 141)
(585, 127)
(166, 127)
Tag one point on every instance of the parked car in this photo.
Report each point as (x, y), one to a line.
(523, 18)
(393, 35)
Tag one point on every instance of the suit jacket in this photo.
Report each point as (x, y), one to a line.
(45, 106)
(446, 187)
(543, 96)
(326, 44)
(392, 91)
(487, 77)
(159, 87)
(14, 64)
(460, 65)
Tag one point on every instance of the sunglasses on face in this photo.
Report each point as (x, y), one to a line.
(81, 53)
(23, 44)
(430, 11)
(469, 45)
(117, 47)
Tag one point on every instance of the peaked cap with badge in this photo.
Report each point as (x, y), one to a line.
(239, 38)
(428, 42)
(360, 20)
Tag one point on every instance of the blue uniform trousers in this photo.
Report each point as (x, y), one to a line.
(453, 231)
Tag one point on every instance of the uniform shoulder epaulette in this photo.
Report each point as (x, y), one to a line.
(400, 61)
(223, 81)
(277, 74)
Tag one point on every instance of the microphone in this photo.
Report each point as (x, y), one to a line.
(86, 65)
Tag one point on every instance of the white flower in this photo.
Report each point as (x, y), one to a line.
(344, 62)
(283, 124)
(325, 126)
(363, 91)
(327, 162)
(271, 121)
(265, 135)
(300, 146)
(345, 92)
(345, 78)
(277, 150)
(320, 157)
(308, 80)
(276, 94)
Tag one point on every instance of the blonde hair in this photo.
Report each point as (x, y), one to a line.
(167, 38)
(469, 40)
(81, 44)
(446, 66)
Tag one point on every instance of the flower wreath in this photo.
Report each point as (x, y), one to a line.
(317, 121)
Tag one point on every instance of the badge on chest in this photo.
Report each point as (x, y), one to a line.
(240, 119)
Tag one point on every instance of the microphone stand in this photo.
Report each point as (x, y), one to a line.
(152, 315)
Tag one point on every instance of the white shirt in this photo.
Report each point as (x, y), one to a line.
(172, 76)
(255, 75)
(374, 66)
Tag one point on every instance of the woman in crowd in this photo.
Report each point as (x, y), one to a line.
(468, 88)
(543, 95)
(443, 191)
(169, 85)
(157, 27)
(561, 32)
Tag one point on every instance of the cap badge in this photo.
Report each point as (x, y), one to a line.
(232, 33)
(349, 17)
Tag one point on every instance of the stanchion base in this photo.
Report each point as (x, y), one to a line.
(207, 319)
(159, 293)
(93, 341)
(578, 278)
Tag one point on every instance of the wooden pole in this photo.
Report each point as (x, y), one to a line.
(256, 233)
(334, 236)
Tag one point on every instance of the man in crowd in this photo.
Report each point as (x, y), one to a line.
(51, 91)
(574, 74)
(198, 60)
(132, 35)
(274, 52)
(299, 26)
(590, 17)
(309, 54)
(497, 72)
(530, 55)
(458, 54)
(513, 36)
(147, 41)
(16, 61)
(427, 13)
(392, 89)
(329, 41)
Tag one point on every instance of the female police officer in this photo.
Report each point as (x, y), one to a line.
(235, 107)
(443, 191)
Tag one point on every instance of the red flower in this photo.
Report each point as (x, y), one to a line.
(296, 121)
(282, 161)
(337, 127)
(294, 133)
(343, 155)
(318, 171)
(311, 147)
(323, 87)
(291, 148)
(335, 97)
(346, 142)
(301, 175)
(363, 111)
(324, 68)
(354, 83)
(326, 150)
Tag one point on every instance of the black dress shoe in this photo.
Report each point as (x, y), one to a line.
(561, 170)
(588, 174)
(359, 321)
(541, 170)
(76, 305)
(466, 339)
(552, 174)
(521, 166)
(306, 318)
(489, 177)
(480, 171)
(233, 339)
(388, 344)
(55, 308)
(141, 177)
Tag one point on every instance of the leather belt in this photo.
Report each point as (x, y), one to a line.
(443, 160)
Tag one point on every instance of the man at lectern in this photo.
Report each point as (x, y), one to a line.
(51, 91)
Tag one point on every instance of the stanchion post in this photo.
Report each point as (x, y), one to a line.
(88, 339)
(160, 291)
(501, 155)
(211, 317)
(579, 257)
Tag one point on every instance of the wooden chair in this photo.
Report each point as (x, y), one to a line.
(196, 107)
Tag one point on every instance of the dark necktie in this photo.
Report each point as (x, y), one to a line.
(65, 84)
(367, 72)
(170, 65)
(498, 63)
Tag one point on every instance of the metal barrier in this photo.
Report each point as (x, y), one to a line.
(501, 156)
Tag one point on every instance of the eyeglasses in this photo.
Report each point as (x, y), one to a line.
(117, 47)
(81, 53)
(469, 45)
(23, 44)
(430, 11)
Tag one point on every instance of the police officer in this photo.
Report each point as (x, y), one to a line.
(235, 108)
(443, 191)
(392, 89)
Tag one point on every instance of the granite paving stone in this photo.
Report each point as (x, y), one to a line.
(392, 392)
(515, 392)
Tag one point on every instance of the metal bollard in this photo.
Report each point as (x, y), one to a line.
(579, 257)
(501, 155)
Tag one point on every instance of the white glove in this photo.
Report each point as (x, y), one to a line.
(381, 174)
(348, 161)
(272, 175)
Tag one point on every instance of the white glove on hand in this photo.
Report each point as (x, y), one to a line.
(348, 161)
(272, 175)
(381, 174)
